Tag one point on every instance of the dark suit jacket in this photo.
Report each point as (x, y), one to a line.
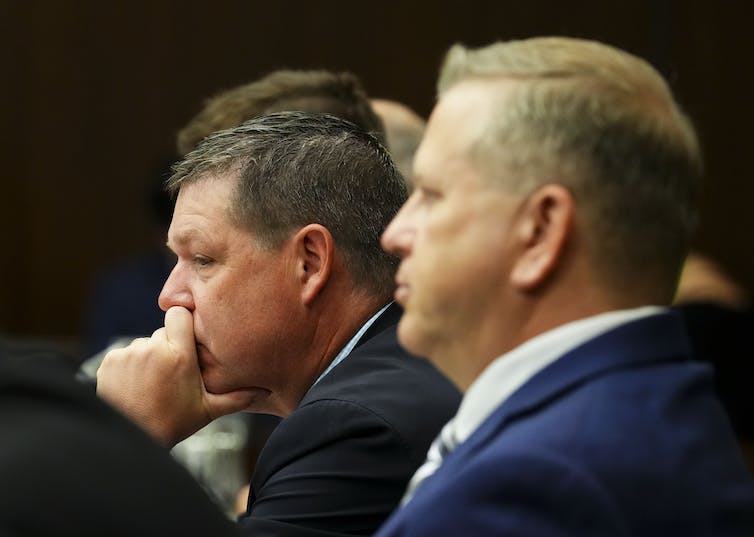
(72, 466)
(339, 464)
(623, 436)
(722, 336)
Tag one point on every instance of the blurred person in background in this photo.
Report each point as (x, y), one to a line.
(404, 129)
(720, 321)
(123, 299)
(317, 91)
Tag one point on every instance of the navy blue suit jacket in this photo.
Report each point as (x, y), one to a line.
(622, 436)
(339, 464)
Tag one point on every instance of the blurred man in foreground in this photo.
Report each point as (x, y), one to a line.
(73, 467)
(404, 129)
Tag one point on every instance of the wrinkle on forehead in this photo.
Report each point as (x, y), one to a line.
(200, 208)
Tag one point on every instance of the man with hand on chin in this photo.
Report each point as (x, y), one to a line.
(279, 303)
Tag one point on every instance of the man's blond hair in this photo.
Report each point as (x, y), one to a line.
(603, 123)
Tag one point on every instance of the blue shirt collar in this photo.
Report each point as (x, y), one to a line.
(345, 351)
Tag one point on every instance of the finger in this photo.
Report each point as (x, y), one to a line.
(159, 337)
(179, 328)
(107, 362)
(137, 342)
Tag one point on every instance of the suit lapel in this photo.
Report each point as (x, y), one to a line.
(659, 338)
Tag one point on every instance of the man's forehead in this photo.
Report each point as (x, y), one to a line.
(208, 192)
(458, 120)
(203, 200)
(462, 114)
(462, 118)
(475, 93)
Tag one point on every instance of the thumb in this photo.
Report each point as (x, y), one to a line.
(179, 329)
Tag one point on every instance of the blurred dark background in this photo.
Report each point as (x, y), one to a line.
(93, 93)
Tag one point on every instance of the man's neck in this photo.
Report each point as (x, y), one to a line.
(331, 328)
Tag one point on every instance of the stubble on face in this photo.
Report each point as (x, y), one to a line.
(454, 269)
(236, 290)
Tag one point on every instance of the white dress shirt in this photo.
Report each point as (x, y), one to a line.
(508, 373)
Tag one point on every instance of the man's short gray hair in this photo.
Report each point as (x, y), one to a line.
(297, 168)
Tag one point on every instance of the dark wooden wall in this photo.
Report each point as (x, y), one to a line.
(93, 93)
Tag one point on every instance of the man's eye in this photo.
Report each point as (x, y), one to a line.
(202, 261)
(429, 196)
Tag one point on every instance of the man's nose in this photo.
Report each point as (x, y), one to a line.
(176, 292)
(398, 236)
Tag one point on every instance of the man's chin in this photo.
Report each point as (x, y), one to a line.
(259, 401)
(256, 400)
(218, 386)
(410, 337)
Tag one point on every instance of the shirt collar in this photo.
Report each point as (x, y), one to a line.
(345, 351)
(510, 371)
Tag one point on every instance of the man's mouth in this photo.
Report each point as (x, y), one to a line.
(401, 292)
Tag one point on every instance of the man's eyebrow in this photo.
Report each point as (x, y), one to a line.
(417, 180)
(180, 238)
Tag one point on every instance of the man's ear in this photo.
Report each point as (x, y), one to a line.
(314, 251)
(542, 230)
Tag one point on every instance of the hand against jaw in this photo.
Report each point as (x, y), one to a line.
(157, 382)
